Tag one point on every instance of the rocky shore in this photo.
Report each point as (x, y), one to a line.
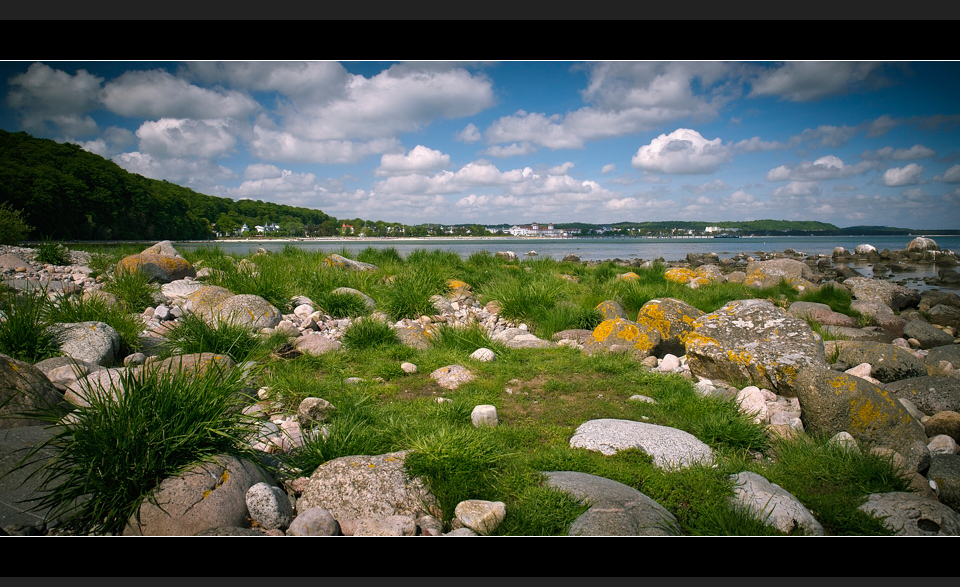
(891, 385)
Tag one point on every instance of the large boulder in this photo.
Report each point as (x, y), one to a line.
(202, 301)
(833, 402)
(821, 314)
(248, 309)
(896, 297)
(615, 509)
(160, 268)
(24, 389)
(91, 342)
(889, 362)
(754, 341)
(929, 299)
(673, 319)
(356, 487)
(763, 274)
(909, 514)
(670, 448)
(620, 335)
(930, 394)
(927, 335)
(945, 315)
(945, 472)
(341, 262)
(209, 495)
(772, 504)
(949, 353)
(611, 309)
(923, 244)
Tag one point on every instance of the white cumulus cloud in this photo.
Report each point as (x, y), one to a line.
(952, 175)
(158, 94)
(684, 151)
(900, 176)
(419, 158)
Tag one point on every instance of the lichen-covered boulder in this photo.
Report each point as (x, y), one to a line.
(210, 495)
(452, 376)
(929, 394)
(23, 389)
(247, 309)
(762, 274)
(342, 262)
(413, 334)
(357, 487)
(91, 342)
(620, 335)
(680, 275)
(673, 319)
(889, 362)
(755, 341)
(896, 297)
(909, 514)
(832, 402)
(203, 300)
(611, 309)
(160, 268)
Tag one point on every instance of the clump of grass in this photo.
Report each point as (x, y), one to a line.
(369, 333)
(464, 339)
(524, 297)
(193, 334)
(458, 463)
(110, 455)
(133, 289)
(53, 252)
(408, 296)
(357, 427)
(25, 332)
(832, 481)
(565, 316)
(341, 304)
(75, 308)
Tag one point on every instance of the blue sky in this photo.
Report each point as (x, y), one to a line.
(850, 143)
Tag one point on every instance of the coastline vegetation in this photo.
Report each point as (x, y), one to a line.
(541, 396)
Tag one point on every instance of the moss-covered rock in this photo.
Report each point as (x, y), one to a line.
(160, 268)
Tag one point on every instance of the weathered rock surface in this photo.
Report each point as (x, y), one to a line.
(763, 274)
(23, 389)
(342, 262)
(670, 448)
(356, 487)
(772, 504)
(615, 509)
(930, 394)
(250, 310)
(160, 268)
(753, 340)
(833, 402)
(673, 319)
(619, 335)
(927, 335)
(945, 471)
(889, 362)
(210, 495)
(91, 342)
(896, 297)
(908, 514)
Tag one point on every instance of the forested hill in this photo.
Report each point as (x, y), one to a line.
(67, 193)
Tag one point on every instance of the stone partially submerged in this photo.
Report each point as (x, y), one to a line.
(753, 340)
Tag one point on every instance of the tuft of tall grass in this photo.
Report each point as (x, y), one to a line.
(341, 304)
(133, 289)
(193, 334)
(111, 455)
(458, 462)
(369, 333)
(465, 339)
(53, 252)
(408, 296)
(24, 327)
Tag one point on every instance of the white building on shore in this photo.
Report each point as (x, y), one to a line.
(537, 229)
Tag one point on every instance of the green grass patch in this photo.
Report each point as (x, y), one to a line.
(112, 454)
(25, 332)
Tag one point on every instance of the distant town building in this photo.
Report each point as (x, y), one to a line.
(537, 229)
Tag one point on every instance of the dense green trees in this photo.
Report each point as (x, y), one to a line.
(66, 193)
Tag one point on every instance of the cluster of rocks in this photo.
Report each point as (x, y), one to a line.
(892, 387)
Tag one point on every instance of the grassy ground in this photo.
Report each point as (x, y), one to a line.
(541, 395)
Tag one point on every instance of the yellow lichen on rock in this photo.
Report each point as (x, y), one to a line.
(680, 274)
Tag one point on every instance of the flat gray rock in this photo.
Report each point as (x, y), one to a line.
(772, 504)
(909, 514)
(615, 509)
(670, 448)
